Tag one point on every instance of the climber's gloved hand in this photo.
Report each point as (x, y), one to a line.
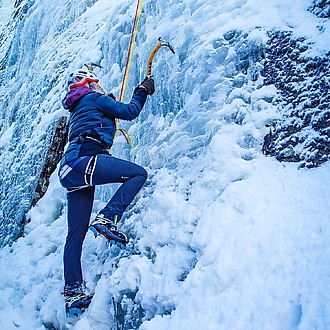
(148, 84)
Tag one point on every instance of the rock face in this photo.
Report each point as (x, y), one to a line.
(54, 156)
(321, 8)
(303, 133)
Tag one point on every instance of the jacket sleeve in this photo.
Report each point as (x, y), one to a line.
(120, 110)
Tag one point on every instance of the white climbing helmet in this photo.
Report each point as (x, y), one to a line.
(80, 77)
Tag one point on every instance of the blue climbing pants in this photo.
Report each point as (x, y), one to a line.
(80, 179)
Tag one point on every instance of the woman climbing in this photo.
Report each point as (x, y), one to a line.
(87, 163)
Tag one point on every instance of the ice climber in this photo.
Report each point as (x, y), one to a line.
(87, 163)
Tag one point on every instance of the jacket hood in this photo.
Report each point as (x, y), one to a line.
(74, 95)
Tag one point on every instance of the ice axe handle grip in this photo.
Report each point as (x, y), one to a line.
(153, 53)
(151, 57)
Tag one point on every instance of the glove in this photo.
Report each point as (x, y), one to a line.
(149, 85)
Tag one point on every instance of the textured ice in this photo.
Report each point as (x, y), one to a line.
(221, 237)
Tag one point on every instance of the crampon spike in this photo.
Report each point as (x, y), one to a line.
(113, 242)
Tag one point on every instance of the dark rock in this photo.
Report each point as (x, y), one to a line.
(303, 83)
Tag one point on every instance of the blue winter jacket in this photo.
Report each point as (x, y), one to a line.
(92, 123)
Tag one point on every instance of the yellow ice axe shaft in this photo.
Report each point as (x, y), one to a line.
(154, 51)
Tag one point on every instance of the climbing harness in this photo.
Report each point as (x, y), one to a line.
(154, 51)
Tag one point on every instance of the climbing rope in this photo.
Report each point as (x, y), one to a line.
(128, 66)
(131, 47)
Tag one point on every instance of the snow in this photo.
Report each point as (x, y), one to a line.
(221, 237)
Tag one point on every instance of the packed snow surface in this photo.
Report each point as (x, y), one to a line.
(221, 237)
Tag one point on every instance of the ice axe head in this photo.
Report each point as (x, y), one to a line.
(167, 44)
(90, 66)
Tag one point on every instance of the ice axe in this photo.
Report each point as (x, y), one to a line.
(90, 66)
(155, 50)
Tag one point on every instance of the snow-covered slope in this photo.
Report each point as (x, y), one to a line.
(221, 237)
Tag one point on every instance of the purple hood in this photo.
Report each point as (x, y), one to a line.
(75, 95)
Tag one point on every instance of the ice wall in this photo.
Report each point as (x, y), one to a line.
(213, 207)
(38, 52)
